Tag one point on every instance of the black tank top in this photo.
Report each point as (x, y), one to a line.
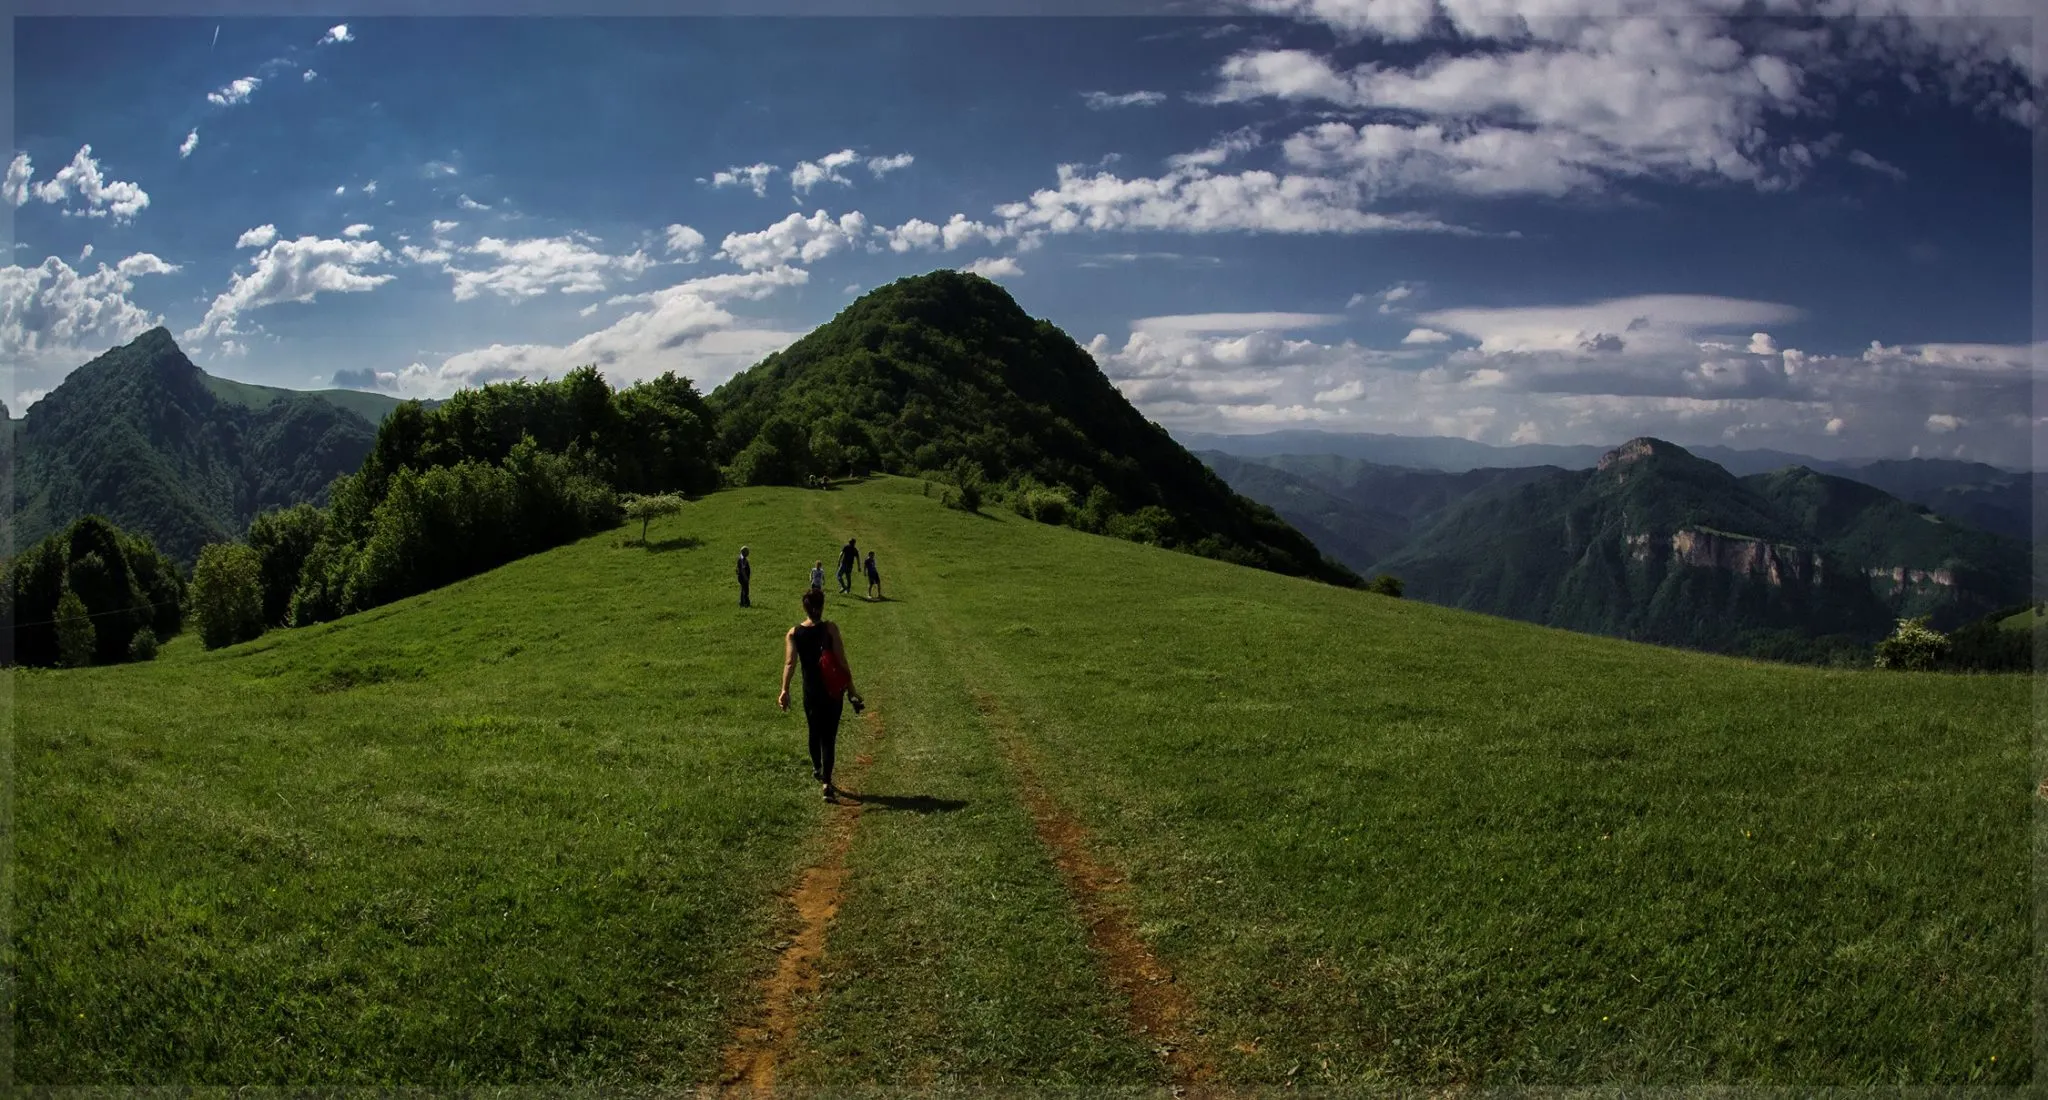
(811, 642)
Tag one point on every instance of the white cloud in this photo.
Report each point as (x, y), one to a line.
(436, 168)
(293, 271)
(795, 237)
(686, 242)
(307, 76)
(357, 230)
(1105, 101)
(1222, 149)
(995, 267)
(234, 92)
(341, 189)
(754, 176)
(1834, 426)
(336, 33)
(414, 254)
(86, 252)
(528, 268)
(684, 328)
(808, 174)
(1424, 336)
(1861, 159)
(1191, 200)
(19, 172)
(370, 188)
(1760, 343)
(1657, 322)
(257, 237)
(52, 317)
(467, 203)
(118, 199)
(190, 143)
(442, 227)
(882, 166)
(1943, 423)
(1189, 323)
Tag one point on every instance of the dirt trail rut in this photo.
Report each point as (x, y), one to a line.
(1160, 1010)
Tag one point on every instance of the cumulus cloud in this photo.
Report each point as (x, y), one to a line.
(1193, 200)
(1222, 149)
(101, 198)
(257, 237)
(336, 33)
(235, 92)
(995, 267)
(795, 237)
(442, 227)
(808, 174)
(1657, 322)
(1189, 323)
(882, 166)
(520, 269)
(685, 242)
(1943, 423)
(54, 317)
(1424, 336)
(357, 230)
(293, 271)
(1576, 95)
(753, 176)
(959, 231)
(685, 328)
(1106, 101)
(467, 203)
(15, 188)
(190, 143)
(307, 76)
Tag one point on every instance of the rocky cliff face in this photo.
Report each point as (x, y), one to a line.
(1900, 577)
(1775, 564)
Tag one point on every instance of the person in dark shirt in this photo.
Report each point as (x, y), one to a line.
(745, 571)
(849, 555)
(874, 578)
(803, 645)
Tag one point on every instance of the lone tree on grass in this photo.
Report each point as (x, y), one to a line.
(649, 508)
(227, 594)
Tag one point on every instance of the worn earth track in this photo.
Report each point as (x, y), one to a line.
(758, 1048)
(1160, 1010)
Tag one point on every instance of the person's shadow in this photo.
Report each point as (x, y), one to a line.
(911, 803)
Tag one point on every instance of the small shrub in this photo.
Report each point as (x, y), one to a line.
(1386, 584)
(1914, 646)
(142, 647)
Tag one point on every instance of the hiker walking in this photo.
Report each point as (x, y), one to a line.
(818, 575)
(848, 555)
(874, 578)
(828, 684)
(745, 571)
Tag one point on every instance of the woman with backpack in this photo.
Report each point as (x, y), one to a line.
(828, 683)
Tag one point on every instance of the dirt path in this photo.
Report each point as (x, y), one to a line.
(1161, 1013)
(787, 997)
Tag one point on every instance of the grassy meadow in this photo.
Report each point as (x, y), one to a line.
(535, 828)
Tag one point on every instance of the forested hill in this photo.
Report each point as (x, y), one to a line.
(142, 436)
(945, 373)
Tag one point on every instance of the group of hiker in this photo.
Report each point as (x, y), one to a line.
(849, 559)
(815, 646)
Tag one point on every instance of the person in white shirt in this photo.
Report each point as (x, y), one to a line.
(818, 575)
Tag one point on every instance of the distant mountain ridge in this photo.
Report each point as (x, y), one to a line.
(145, 438)
(1657, 544)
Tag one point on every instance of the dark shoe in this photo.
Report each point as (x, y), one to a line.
(831, 795)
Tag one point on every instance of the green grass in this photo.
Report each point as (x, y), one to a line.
(372, 407)
(533, 828)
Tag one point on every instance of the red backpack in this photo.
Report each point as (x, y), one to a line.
(833, 674)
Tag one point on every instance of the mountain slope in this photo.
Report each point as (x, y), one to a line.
(940, 369)
(141, 436)
(373, 407)
(1660, 545)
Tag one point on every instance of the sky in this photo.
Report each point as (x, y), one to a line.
(1792, 224)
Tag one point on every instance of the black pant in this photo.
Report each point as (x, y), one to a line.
(743, 595)
(823, 716)
(846, 578)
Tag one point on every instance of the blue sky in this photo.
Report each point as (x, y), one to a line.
(1408, 216)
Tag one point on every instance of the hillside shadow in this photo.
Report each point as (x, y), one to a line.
(910, 803)
(663, 546)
